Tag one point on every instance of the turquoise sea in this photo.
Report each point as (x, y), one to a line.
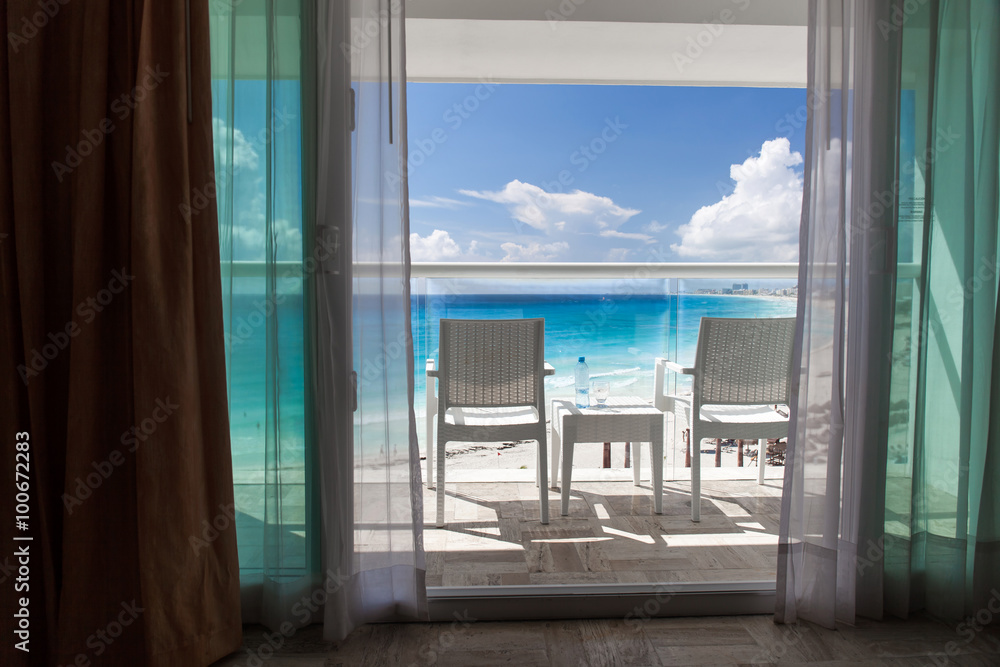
(620, 337)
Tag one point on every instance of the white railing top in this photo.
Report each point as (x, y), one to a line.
(564, 270)
(602, 270)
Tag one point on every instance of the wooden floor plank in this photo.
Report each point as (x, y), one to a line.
(716, 640)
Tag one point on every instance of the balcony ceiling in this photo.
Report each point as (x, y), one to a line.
(647, 42)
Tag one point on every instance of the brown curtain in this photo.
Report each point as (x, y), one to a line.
(111, 338)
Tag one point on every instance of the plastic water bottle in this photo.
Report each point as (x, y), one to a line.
(582, 384)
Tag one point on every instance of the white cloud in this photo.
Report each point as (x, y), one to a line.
(439, 247)
(618, 254)
(437, 202)
(533, 252)
(759, 221)
(251, 240)
(645, 238)
(557, 213)
(244, 154)
(655, 227)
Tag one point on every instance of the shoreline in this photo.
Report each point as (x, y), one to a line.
(522, 455)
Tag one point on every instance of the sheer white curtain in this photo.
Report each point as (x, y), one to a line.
(369, 459)
(834, 487)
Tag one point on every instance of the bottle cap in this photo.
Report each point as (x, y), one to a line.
(581, 358)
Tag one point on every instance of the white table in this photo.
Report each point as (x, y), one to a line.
(622, 419)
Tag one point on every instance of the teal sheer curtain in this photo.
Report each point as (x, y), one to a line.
(942, 520)
(257, 62)
(892, 477)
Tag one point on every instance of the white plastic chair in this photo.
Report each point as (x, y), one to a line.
(742, 370)
(490, 389)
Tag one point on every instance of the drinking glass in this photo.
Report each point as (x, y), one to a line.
(600, 389)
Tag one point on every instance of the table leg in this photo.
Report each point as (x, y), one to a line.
(718, 452)
(739, 454)
(628, 454)
(656, 465)
(567, 473)
(637, 463)
(607, 455)
(761, 459)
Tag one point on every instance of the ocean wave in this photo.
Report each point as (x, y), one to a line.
(568, 381)
(393, 417)
(621, 371)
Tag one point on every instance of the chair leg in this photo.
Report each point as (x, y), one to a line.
(430, 458)
(695, 442)
(761, 459)
(430, 413)
(440, 484)
(543, 487)
(556, 447)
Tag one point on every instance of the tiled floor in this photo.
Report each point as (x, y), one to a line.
(721, 640)
(493, 535)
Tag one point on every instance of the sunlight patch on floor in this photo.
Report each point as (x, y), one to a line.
(645, 539)
(557, 540)
(720, 539)
(751, 525)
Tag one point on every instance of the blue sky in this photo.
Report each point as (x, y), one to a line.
(604, 173)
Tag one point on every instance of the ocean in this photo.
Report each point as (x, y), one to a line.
(619, 335)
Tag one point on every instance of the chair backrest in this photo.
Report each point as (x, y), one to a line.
(491, 363)
(743, 361)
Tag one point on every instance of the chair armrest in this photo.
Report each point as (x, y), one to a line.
(549, 369)
(673, 366)
(660, 401)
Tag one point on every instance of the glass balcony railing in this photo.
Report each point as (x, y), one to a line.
(620, 316)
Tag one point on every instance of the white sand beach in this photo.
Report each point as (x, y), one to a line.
(521, 455)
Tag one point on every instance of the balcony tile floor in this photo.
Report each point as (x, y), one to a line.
(493, 536)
